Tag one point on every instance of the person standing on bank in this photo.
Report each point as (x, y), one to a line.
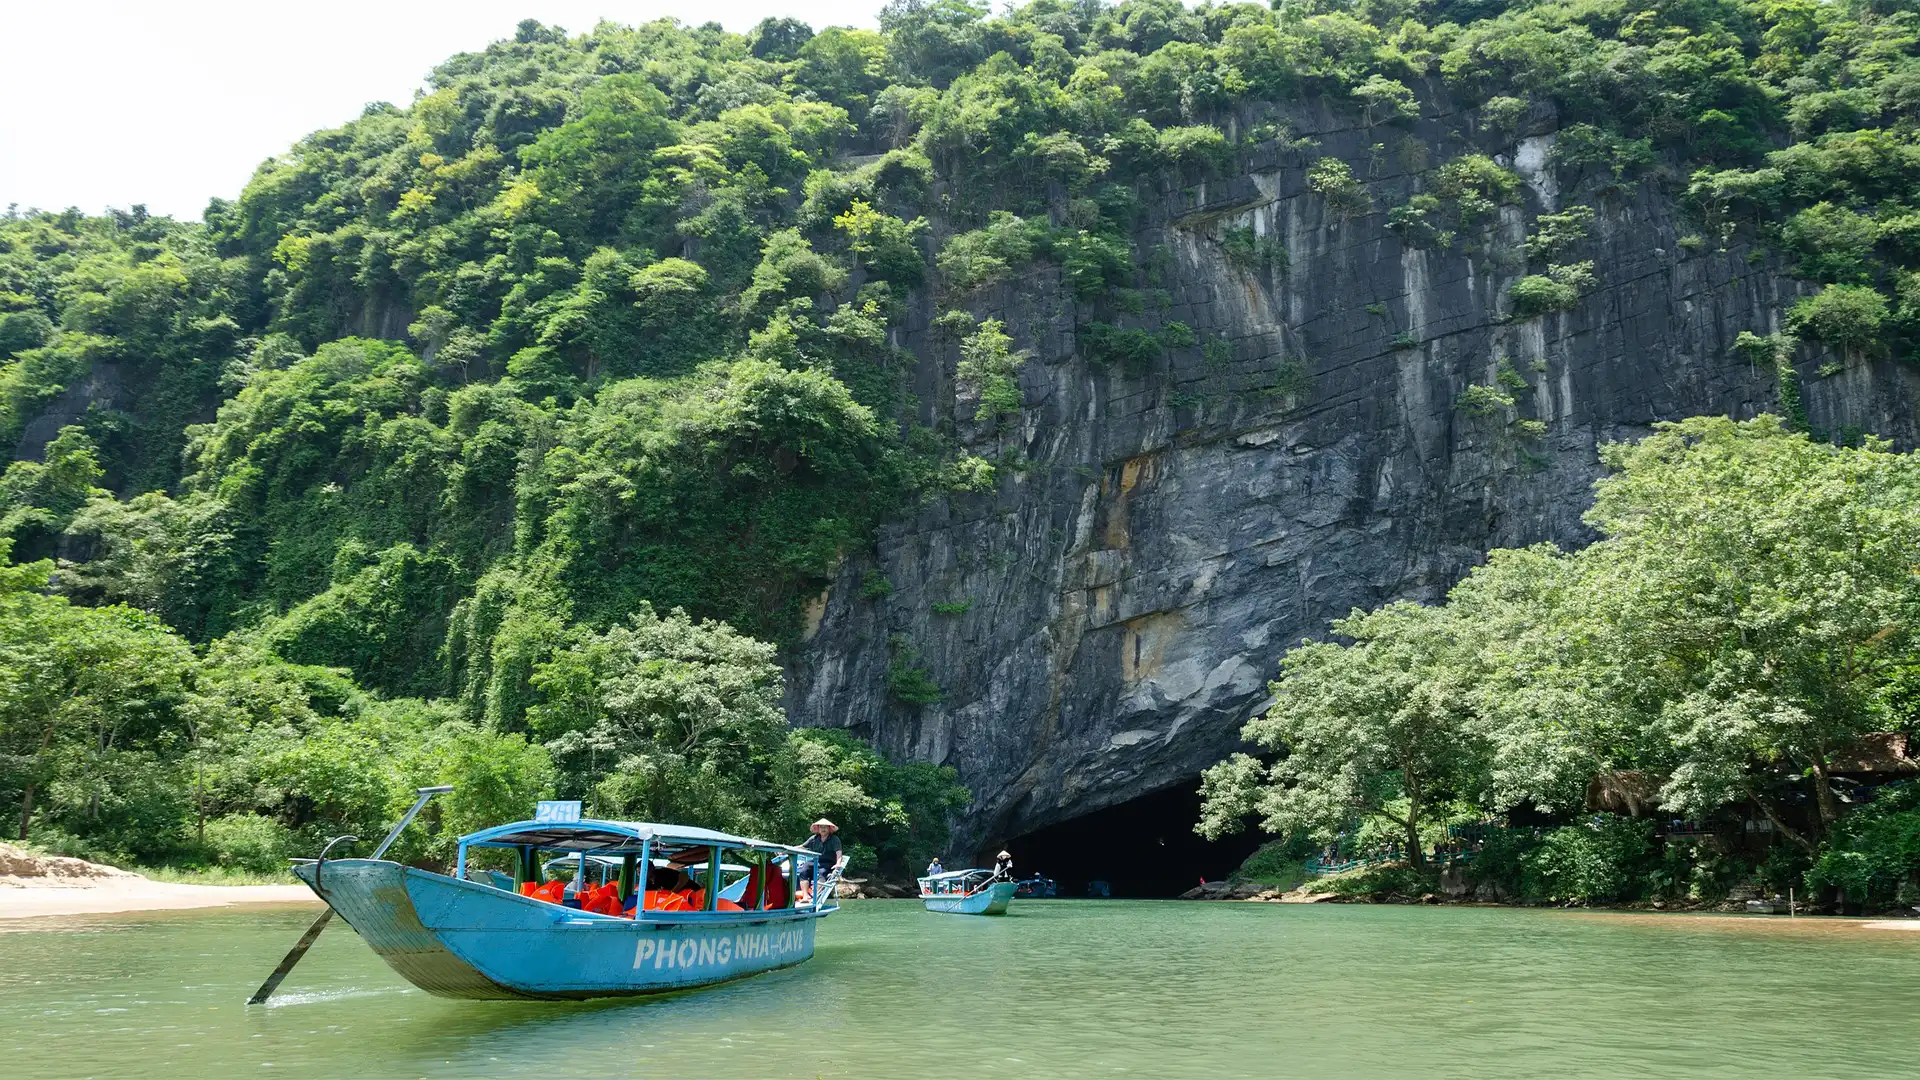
(1003, 866)
(824, 843)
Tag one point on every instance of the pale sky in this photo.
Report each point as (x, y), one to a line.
(110, 103)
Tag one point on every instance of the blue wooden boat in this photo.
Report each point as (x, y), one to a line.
(1037, 887)
(463, 938)
(967, 892)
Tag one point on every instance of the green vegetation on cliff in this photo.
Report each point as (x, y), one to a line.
(424, 430)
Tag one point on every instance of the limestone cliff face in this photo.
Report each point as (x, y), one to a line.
(1130, 586)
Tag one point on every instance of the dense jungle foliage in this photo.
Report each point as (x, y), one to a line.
(1724, 656)
(492, 435)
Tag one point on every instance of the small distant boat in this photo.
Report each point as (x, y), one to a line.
(1040, 887)
(967, 892)
(602, 930)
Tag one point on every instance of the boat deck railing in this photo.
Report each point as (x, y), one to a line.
(1336, 865)
(823, 893)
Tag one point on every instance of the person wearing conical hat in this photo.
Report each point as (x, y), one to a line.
(1003, 865)
(825, 844)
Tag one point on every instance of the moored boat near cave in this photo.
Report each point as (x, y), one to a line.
(684, 925)
(967, 892)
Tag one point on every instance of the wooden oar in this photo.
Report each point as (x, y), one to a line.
(293, 957)
(306, 940)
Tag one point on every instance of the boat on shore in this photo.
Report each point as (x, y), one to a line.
(967, 892)
(603, 930)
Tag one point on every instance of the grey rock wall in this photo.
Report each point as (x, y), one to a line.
(1169, 532)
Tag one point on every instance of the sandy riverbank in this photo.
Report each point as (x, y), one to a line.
(39, 886)
(31, 901)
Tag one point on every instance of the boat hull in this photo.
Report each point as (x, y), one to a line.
(461, 939)
(992, 900)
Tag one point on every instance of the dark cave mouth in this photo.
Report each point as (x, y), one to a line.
(1144, 848)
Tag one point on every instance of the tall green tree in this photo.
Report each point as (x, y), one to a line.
(666, 719)
(1760, 590)
(89, 713)
(1384, 726)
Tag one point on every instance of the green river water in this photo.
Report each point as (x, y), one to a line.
(1057, 988)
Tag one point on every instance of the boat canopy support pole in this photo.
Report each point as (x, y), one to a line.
(646, 875)
(413, 811)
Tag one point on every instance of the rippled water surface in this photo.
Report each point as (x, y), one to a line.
(1057, 988)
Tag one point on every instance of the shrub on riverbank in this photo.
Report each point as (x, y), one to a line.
(1602, 859)
(248, 843)
(1598, 861)
(1874, 858)
(1278, 864)
(1379, 883)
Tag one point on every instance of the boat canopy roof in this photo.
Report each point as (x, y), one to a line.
(954, 874)
(613, 837)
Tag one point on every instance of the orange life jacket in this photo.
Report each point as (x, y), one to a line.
(665, 900)
(602, 900)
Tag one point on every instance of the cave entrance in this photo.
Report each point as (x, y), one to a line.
(1144, 848)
